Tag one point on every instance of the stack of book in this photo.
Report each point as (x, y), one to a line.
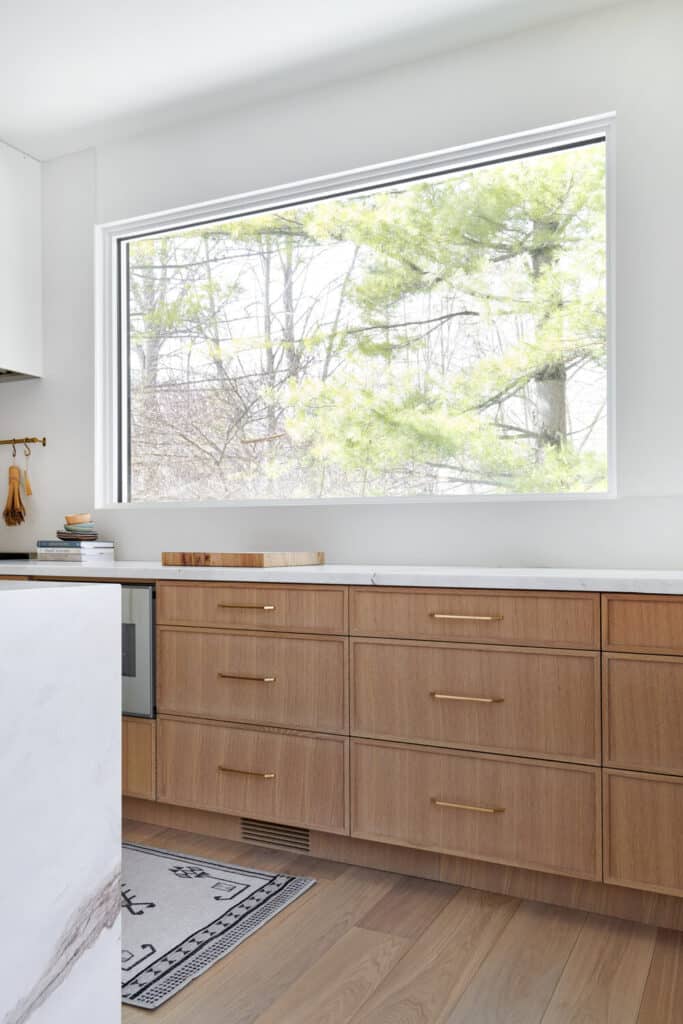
(87, 552)
(77, 541)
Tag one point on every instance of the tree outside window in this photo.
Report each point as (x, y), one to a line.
(443, 336)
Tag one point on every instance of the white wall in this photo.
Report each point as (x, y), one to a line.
(626, 59)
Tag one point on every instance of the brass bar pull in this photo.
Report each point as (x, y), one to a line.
(468, 807)
(467, 618)
(248, 679)
(242, 771)
(250, 607)
(475, 700)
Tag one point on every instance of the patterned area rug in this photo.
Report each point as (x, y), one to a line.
(181, 914)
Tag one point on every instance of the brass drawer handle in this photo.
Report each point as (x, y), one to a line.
(251, 607)
(468, 807)
(475, 700)
(242, 771)
(467, 618)
(248, 679)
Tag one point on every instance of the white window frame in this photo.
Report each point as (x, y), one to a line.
(110, 377)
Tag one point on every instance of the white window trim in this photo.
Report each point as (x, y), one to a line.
(108, 237)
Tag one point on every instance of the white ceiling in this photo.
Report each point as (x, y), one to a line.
(74, 73)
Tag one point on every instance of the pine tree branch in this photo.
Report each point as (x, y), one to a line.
(412, 323)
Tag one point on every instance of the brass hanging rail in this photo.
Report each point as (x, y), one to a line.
(25, 440)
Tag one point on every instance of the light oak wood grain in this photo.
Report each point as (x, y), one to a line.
(643, 712)
(516, 981)
(605, 975)
(139, 757)
(545, 703)
(286, 609)
(243, 559)
(643, 823)
(186, 819)
(662, 1001)
(409, 907)
(628, 903)
(309, 787)
(549, 821)
(140, 831)
(581, 894)
(427, 983)
(370, 854)
(468, 943)
(340, 981)
(254, 677)
(228, 851)
(535, 619)
(647, 623)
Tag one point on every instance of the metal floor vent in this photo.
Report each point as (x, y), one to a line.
(265, 832)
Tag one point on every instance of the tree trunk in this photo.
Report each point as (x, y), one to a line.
(268, 328)
(550, 386)
(550, 382)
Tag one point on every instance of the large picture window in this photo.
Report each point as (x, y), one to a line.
(435, 335)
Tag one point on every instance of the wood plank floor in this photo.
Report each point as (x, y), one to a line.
(368, 947)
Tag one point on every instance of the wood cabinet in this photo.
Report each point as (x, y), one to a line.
(254, 677)
(643, 830)
(647, 623)
(285, 777)
(139, 757)
(643, 712)
(512, 811)
(529, 618)
(500, 699)
(287, 609)
(480, 724)
(642, 727)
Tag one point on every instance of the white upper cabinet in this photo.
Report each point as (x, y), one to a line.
(20, 266)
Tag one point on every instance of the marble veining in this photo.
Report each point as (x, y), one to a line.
(98, 911)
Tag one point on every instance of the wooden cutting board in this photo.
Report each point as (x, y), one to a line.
(243, 559)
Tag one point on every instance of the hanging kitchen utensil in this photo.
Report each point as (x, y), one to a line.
(28, 490)
(14, 513)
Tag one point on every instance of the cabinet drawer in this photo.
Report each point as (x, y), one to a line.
(512, 811)
(651, 624)
(479, 616)
(288, 778)
(543, 704)
(643, 829)
(254, 677)
(643, 712)
(139, 757)
(301, 609)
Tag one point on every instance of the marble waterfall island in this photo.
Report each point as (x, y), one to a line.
(60, 772)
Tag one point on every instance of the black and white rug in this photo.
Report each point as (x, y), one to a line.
(181, 914)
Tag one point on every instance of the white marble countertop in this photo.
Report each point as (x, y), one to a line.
(60, 765)
(643, 581)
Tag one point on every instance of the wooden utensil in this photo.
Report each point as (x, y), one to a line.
(14, 513)
(28, 490)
